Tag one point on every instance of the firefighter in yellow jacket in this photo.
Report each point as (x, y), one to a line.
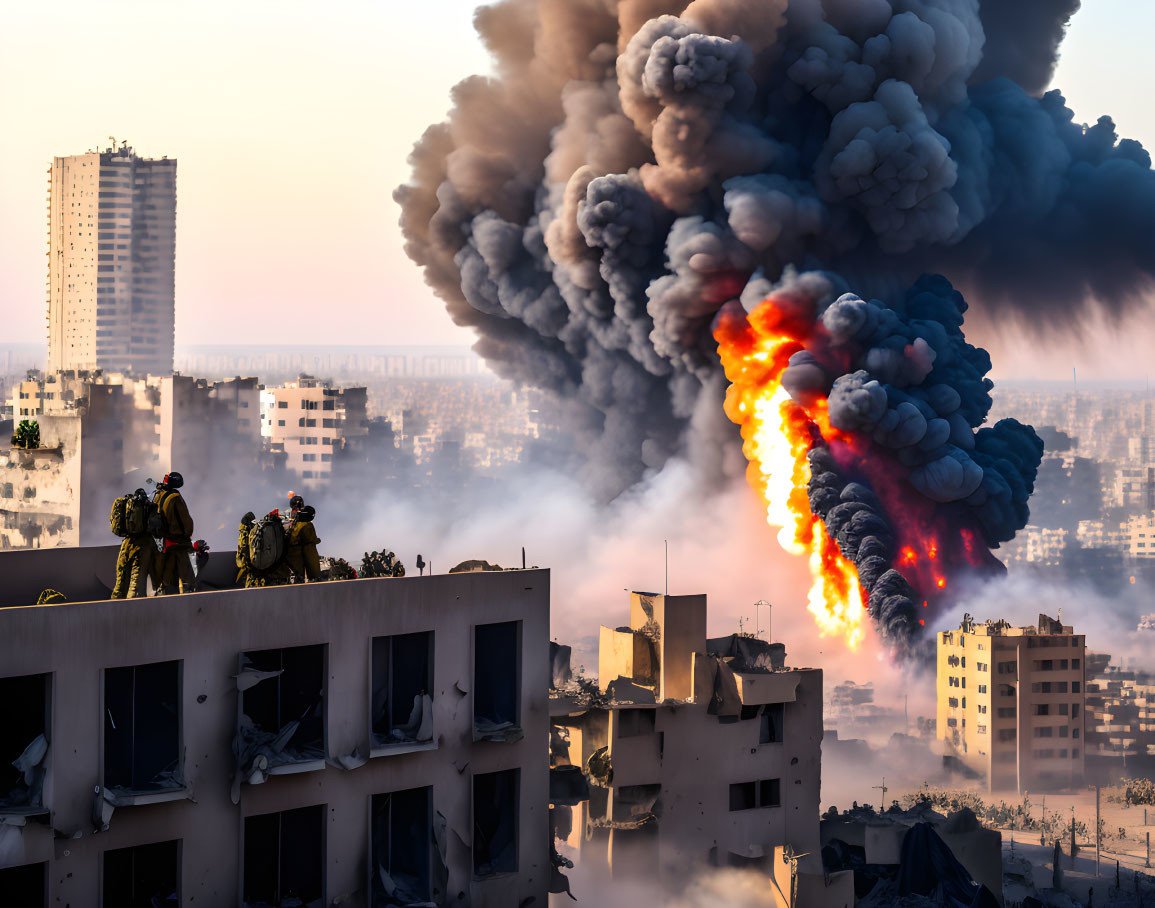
(175, 568)
(134, 563)
(301, 551)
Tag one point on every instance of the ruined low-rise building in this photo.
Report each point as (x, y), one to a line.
(369, 742)
(697, 751)
(309, 421)
(1011, 702)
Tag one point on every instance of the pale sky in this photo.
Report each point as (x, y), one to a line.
(292, 121)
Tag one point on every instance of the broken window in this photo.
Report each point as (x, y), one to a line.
(497, 681)
(142, 876)
(634, 805)
(23, 743)
(495, 806)
(282, 710)
(634, 722)
(26, 885)
(400, 842)
(142, 728)
(751, 795)
(284, 858)
(402, 689)
(773, 723)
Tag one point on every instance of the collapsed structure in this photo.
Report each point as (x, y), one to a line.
(1011, 702)
(696, 751)
(371, 742)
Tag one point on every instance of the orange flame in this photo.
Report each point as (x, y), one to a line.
(777, 433)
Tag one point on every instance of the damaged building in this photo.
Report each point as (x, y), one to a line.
(696, 751)
(376, 742)
(1011, 703)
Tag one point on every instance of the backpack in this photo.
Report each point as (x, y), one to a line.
(266, 543)
(117, 519)
(156, 524)
(136, 514)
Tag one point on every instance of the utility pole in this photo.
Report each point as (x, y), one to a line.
(758, 621)
(1097, 837)
(884, 791)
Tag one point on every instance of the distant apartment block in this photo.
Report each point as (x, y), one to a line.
(1120, 720)
(699, 751)
(310, 421)
(368, 742)
(111, 249)
(1011, 702)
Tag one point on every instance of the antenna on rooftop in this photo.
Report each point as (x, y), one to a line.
(667, 542)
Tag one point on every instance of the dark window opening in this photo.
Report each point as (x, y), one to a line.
(402, 689)
(283, 857)
(142, 728)
(26, 885)
(282, 708)
(495, 807)
(143, 876)
(743, 796)
(751, 795)
(773, 722)
(497, 681)
(635, 804)
(400, 847)
(748, 712)
(24, 725)
(635, 722)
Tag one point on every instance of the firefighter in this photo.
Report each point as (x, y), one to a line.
(134, 563)
(245, 573)
(301, 551)
(176, 572)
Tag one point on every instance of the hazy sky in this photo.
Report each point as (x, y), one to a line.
(292, 121)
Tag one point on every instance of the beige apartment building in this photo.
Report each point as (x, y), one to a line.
(1011, 703)
(363, 743)
(111, 255)
(310, 421)
(698, 752)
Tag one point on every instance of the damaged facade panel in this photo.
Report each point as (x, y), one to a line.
(401, 849)
(402, 690)
(142, 742)
(142, 876)
(497, 681)
(281, 725)
(284, 858)
(24, 725)
(495, 833)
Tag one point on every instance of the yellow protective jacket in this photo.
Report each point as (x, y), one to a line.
(301, 551)
(176, 517)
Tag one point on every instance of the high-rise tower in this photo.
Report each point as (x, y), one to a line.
(112, 246)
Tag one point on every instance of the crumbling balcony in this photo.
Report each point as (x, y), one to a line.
(24, 744)
(280, 713)
(402, 694)
(142, 740)
(402, 850)
(497, 682)
(284, 858)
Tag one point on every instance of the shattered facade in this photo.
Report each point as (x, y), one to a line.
(1011, 702)
(104, 434)
(1120, 720)
(696, 751)
(371, 742)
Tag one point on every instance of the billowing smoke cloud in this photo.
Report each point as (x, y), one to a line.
(905, 484)
(633, 164)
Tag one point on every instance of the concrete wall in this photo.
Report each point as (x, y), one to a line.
(207, 632)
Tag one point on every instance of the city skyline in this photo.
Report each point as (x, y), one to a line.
(233, 114)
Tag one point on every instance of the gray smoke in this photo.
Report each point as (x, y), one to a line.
(634, 165)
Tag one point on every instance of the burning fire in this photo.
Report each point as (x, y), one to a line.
(777, 433)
